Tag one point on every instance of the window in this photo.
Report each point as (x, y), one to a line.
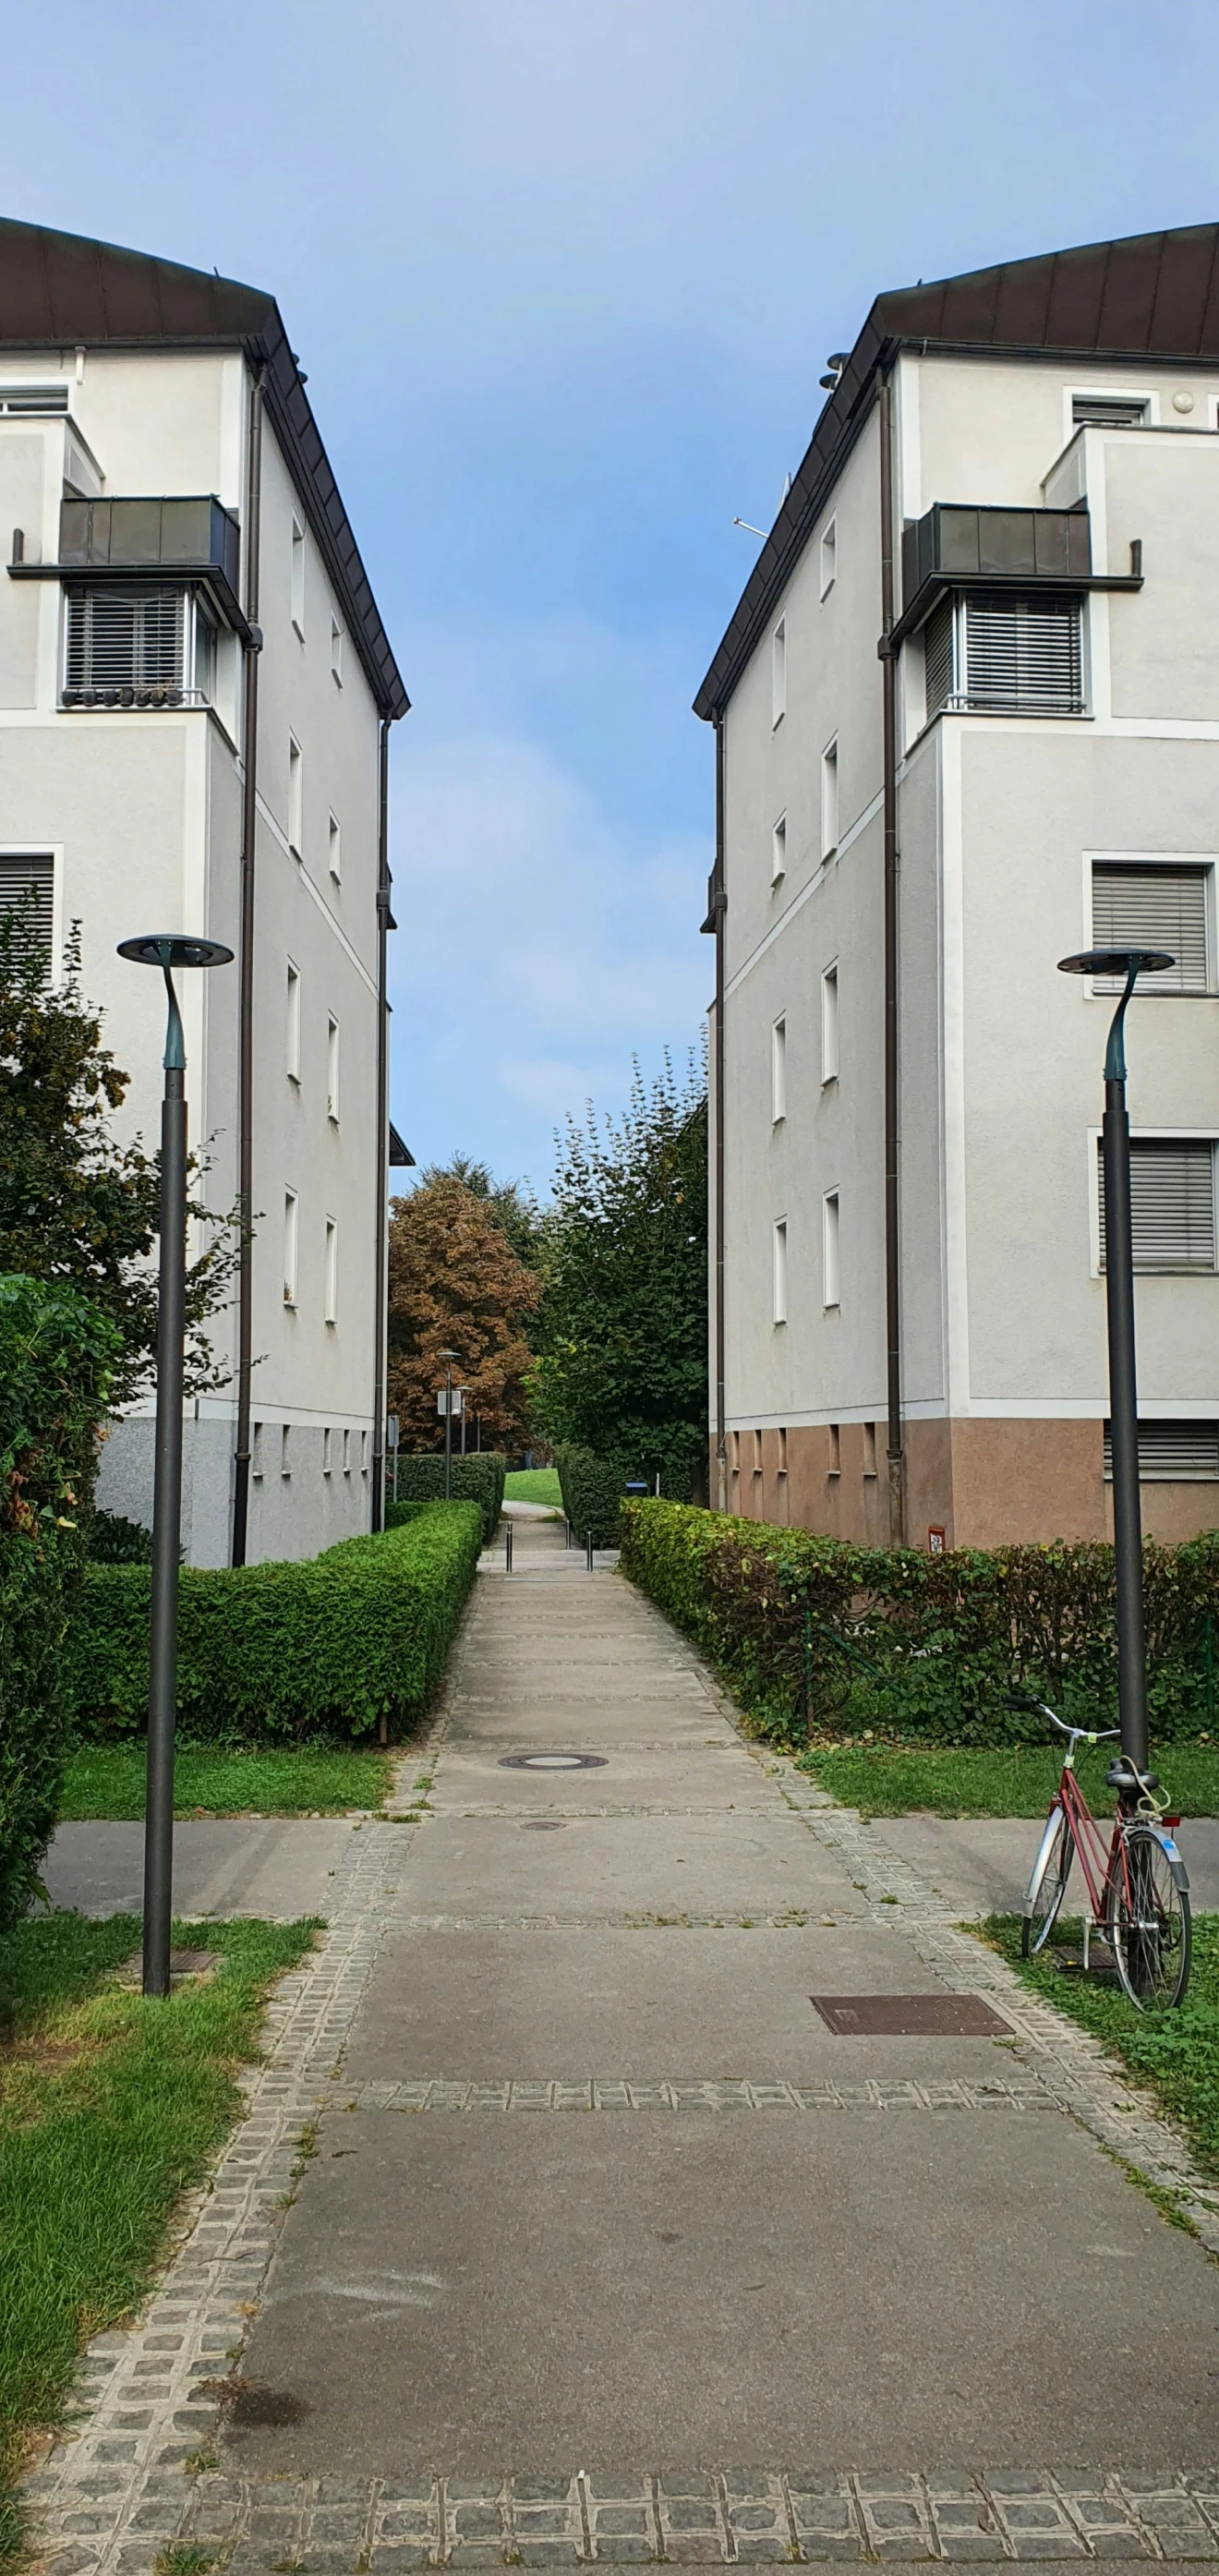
(1153, 906)
(990, 652)
(835, 1465)
(778, 850)
(757, 1453)
(869, 1449)
(363, 1453)
(829, 1249)
(829, 798)
(291, 1230)
(296, 770)
(15, 399)
(125, 648)
(285, 1449)
(327, 1446)
(829, 556)
(292, 1034)
(736, 1453)
(347, 1453)
(332, 1271)
(778, 673)
(256, 1456)
(778, 1071)
(1110, 411)
(336, 851)
(298, 578)
(829, 1023)
(203, 667)
(336, 650)
(781, 1469)
(1184, 1453)
(332, 1068)
(1172, 1203)
(27, 887)
(780, 1271)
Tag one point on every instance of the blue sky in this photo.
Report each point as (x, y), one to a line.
(564, 277)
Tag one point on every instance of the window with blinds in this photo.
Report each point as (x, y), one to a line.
(1185, 1453)
(939, 655)
(1110, 411)
(990, 652)
(1172, 1203)
(125, 648)
(1154, 906)
(26, 889)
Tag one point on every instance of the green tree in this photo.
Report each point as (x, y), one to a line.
(623, 1327)
(511, 1204)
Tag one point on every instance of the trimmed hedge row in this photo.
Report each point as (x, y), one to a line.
(591, 1488)
(795, 1622)
(273, 1652)
(476, 1478)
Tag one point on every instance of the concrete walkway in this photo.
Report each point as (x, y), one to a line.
(601, 2206)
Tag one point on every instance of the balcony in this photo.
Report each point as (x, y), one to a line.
(958, 548)
(185, 541)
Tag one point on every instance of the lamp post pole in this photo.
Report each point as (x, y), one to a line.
(448, 1357)
(166, 953)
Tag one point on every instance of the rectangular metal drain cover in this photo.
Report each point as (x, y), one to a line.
(910, 2017)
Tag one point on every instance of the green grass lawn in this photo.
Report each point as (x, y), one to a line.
(533, 1485)
(107, 1781)
(888, 1780)
(1175, 2053)
(110, 2108)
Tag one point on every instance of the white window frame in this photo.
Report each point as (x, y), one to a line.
(829, 1023)
(1197, 1135)
(829, 798)
(332, 1270)
(296, 796)
(831, 1251)
(291, 1248)
(828, 557)
(1107, 393)
(298, 577)
(332, 1069)
(778, 674)
(1098, 991)
(335, 853)
(779, 1271)
(778, 1070)
(778, 849)
(292, 1023)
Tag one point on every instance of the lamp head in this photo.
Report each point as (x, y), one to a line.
(1117, 961)
(169, 948)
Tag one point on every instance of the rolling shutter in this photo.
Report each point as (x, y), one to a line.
(1109, 411)
(26, 889)
(1023, 655)
(1173, 1452)
(125, 646)
(1172, 1203)
(1153, 907)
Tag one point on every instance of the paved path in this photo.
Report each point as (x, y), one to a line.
(981, 1863)
(601, 2207)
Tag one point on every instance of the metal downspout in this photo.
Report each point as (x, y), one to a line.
(893, 1312)
(719, 908)
(380, 1248)
(245, 1040)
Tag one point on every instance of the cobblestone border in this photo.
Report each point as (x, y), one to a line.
(690, 2093)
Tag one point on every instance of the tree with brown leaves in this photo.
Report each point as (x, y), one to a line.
(455, 1283)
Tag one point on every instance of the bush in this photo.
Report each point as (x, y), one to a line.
(56, 1356)
(284, 1652)
(111, 1539)
(914, 1645)
(591, 1488)
(476, 1478)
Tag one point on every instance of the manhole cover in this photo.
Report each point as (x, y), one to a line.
(552, 1761)
(910, 2017)
(544, 1825)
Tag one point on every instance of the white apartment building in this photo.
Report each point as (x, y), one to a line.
(195, 696)
(967, 722)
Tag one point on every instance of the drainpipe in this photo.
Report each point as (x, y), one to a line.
(380, 1220)
(245, 1039)
(719, 907)
(893, 1306)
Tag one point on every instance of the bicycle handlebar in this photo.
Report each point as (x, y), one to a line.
(1027, 1701)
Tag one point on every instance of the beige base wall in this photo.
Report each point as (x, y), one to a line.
(983, 1483)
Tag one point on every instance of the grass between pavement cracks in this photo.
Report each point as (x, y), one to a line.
(106, 1781)
(898, 1780)
(1176, 2054)
(533, 1485)
(110, 2107)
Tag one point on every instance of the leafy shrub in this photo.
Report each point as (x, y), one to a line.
(591, 1488)
(927, 1646)
(56, 1357)
(111, 1539)
(272, 1652)
(477, 1478)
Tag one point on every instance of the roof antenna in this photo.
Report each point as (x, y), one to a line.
(750, 529)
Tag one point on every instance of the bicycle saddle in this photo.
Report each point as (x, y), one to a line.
(1120, 1776)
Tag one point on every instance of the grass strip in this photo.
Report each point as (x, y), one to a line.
(106, 1781)
(110, 2108)
(533, 1485)
(1176, 2054)
(898, 1780)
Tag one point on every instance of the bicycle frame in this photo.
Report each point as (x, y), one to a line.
(1096, 1862)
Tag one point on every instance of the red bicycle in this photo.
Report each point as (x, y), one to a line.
(1137, 1887)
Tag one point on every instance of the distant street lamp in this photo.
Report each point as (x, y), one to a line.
(1119, 1302)
(449, 1358)
(167, 951)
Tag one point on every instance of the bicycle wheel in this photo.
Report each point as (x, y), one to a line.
(1047, 1886)
(1148, 1922)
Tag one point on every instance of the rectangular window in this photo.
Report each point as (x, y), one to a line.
(332, 1068)
(778, 850)
(780, 1271)
(757, 1453)
(327, 1443)
(27, 888)
(256, 1451)
(363, 1453)
(298, 578)
(332, 1271)
(1173, 1453)
(296, 775)
(1172, 1203)
(778, 673)
(285, 1449)
(736, 1453)
(336, 650)
(203, 665)
(988, 652)
(829, 1249)
(835, 1465)
(869, 1449)
(292, 1031)
(1152, 906)
(1110, 411)
(17, 399)
(829, 798)
(347, 1453)
(778, 1071)
(829, 556)
(782, 1466)
(336, 851)
(291, 1232)
(829, 1023)
(125, 648)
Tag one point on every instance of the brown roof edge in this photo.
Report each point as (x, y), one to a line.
(1151, 296)
(61, 290)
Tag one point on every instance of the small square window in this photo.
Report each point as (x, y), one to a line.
(830, 1290)
(829, 556)
(829, 1023)
(298, 578)
(778, 673)
(778, 850)
(829, 799)
(336, 850)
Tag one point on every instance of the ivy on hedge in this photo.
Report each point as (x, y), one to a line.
(323, 1648)
(476, 1478)
(947, 1635)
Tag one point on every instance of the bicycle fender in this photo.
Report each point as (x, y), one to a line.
(1175, 1862)
(1045, 1847)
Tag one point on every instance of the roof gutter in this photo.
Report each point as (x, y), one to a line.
(381, 1212)
(893, 1289)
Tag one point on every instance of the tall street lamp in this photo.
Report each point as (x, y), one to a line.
(1119, 1302)
(167, 951)
(449, 1357)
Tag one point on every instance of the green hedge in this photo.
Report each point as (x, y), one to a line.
(268, 1653)
(56, 1354)
(779, 1609)
(477, 1478)
(111, 1539)
(591, 1488)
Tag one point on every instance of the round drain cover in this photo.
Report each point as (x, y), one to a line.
(552, 1761)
